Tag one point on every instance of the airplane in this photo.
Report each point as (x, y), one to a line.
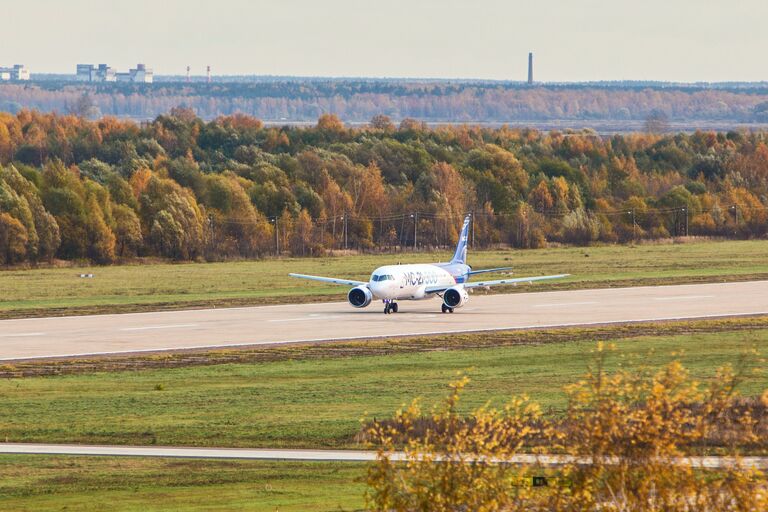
(449, 281)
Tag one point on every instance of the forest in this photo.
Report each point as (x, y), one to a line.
(304, 100)
(181, 188)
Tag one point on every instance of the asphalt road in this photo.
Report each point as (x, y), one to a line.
(320, 455)
(174, 330)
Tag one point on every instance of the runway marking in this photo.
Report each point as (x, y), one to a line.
(559, 304)
(22, 334)
(304, 318)
(150, 327)
(686, 297)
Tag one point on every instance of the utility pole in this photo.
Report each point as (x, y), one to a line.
(634, 225)
(402, 232)
(686, 221)
(212, 247)
(277, 237)
(415, 225)
(344, 218)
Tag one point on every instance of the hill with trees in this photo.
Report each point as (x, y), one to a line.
(182, 188)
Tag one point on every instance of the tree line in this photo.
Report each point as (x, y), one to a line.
(358, 101)
(182, 188)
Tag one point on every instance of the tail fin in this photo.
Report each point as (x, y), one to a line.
(460, 256)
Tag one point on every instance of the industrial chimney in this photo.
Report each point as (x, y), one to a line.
(208, 73)
(530, 68)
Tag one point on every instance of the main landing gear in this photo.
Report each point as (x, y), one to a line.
(390, 307)
(446, 309)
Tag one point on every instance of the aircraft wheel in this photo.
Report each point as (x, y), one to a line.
(394, 307)
(386, 309)
(444, 308)
(450, 310)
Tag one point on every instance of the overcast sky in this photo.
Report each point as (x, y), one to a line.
(573, 40)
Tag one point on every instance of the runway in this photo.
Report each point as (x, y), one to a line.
(712, 462)
(210, 328)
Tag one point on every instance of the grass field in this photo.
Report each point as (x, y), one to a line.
(140, 287)
(89, 484)
(319, 402)
(311, 400)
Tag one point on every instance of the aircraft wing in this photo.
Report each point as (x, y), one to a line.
(332, 280)
(481, 284)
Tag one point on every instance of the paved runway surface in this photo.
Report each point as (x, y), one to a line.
(108, 334)
(314, 455)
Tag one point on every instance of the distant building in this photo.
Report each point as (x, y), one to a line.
(142, 74)
(17, 73)
(104, 73)
(84, 72)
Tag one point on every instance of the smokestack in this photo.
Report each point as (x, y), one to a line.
(530, 68)
(187, 73)
(208, 72)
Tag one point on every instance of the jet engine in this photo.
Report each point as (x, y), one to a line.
(360, 296)
(455, 297)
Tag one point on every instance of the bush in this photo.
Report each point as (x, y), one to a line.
(624, 444)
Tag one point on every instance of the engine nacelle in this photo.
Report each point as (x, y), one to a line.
(360, 296)
(455, 297)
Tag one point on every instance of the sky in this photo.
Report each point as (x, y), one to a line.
(572, 40)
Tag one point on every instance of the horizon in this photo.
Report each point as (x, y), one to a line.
(47, 75)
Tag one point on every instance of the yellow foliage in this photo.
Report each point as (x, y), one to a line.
(625, 443)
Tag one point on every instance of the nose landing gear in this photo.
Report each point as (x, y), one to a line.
(390, 307)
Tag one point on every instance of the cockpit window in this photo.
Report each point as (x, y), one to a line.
(383, 277)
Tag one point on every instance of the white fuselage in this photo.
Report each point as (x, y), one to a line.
(408, 282)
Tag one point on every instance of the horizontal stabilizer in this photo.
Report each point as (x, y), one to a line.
(486, 270)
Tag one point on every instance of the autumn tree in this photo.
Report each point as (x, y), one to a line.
(75, 184)
(301, 236)
(383, 123)
(172, 219)
(657, 121)
(13, 240)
